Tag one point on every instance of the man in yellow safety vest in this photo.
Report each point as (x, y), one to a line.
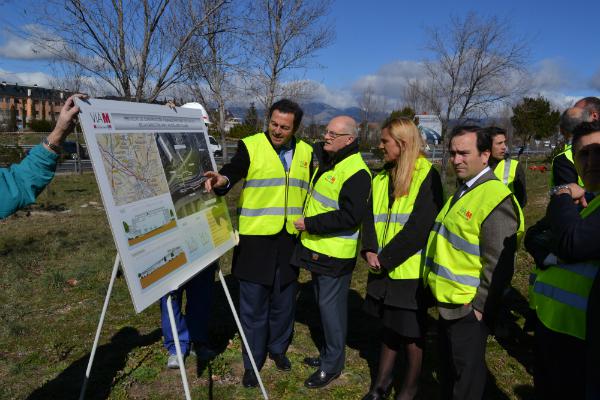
(567, 288)
(334, 210)
(275, 167)
(469, 261)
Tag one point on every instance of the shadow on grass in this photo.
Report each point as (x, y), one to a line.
(517, 343)
(109, 360)
(364, 335)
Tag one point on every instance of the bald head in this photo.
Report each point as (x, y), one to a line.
(591, 105)
(572, 117)
(341, 131)
(347, 125)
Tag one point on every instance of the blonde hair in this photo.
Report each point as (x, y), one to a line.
(406, 134)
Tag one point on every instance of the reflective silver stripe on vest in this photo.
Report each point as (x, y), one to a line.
(257, 212)
(446, 273)
(506, 170)
(294, 211)
(562, 296)
(587, 270)
(394, 218)
(327, 202)
(298, 183)
(265, 182)
(455, 240)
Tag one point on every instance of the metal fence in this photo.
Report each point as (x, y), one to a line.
(74, 162)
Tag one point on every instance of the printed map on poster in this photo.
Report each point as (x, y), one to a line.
(149, 162)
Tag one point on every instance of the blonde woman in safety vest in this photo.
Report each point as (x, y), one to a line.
(406, 197)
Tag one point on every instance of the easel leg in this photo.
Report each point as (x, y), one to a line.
(186, 388)
(239, 325)
(113, 277)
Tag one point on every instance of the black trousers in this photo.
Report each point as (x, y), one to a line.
(267, 317)
(559, 369)
(462, 351)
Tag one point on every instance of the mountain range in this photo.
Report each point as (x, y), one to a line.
(317, 113)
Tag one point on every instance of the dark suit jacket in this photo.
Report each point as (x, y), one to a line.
(498, 244)
(563, 171)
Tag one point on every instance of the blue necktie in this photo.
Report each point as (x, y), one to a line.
(282, 151)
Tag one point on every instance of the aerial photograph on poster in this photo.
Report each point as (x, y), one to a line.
(169, 262)
(133, 166)
(185, 157)
(149, 223)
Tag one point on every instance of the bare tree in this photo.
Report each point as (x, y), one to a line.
(371, 106)
(476, 66)
(284, 36)
(215, 63)
(135, 47)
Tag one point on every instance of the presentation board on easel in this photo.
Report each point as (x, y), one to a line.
(149, 162)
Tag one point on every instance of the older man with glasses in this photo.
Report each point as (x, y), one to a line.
(334, 209)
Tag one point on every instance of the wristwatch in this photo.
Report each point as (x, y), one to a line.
(558, 188)
(52, 146)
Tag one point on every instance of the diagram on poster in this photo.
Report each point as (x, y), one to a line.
(149, 162)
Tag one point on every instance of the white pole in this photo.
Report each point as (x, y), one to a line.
(113, 277)
(239, 325)
(178, 349)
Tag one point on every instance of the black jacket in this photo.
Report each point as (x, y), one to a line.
(404, 293)
(353, 205)
(563, 171)
(257, 257)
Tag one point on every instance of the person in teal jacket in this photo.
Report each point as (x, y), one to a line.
(21, 183)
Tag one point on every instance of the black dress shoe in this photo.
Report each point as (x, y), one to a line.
(249, 380)
(312, 361)
(376, 394)
(320, 379)
(281, 362)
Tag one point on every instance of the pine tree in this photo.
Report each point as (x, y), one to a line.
(533, 117)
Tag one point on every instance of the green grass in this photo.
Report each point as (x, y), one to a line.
(47, 325)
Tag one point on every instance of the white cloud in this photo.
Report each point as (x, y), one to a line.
(339, 98)
(391, 79)
(552, 75)
(26, 78)
(33, 44)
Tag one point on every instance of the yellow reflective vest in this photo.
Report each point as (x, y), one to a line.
(453, 260)
(272, 196)
(561, 292)
(324, 197)
(390, 219)
(506, 171)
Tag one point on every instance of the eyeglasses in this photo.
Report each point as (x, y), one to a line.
(335, 135)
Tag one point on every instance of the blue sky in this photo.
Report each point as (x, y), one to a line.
(381, 42)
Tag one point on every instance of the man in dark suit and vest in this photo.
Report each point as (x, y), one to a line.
(563, 167)
(335, 206)
(508, 171)
(567, 287)
(469, 261)
(275, 167)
